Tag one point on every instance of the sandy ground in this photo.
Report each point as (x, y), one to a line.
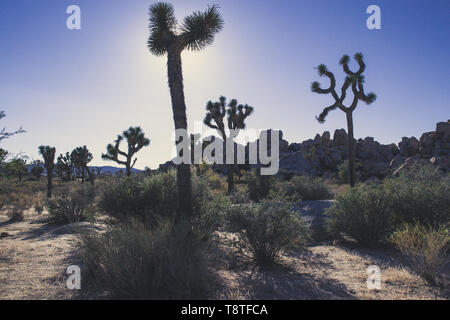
(33, 259)
(323, 272)
(35, 255)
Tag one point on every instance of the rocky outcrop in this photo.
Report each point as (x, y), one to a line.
(323, 155)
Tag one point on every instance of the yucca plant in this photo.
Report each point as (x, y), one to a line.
(197, 31)
(355, 80)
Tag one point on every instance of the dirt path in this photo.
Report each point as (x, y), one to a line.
(33, 260)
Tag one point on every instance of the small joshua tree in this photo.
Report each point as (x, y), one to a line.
(217, 111)
(355, 80)
(136, 141)
(64, 163)
(48, 153)
(197, 31)
(81, 157)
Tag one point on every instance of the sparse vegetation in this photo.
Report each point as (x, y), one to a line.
(364, 213)
(307, 188)
(149, 198)
(71, 205)
(264, 230)
(134, 261)
(259, 186)
(426, 250)
(421, 195)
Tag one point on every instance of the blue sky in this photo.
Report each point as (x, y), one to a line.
(74, 87)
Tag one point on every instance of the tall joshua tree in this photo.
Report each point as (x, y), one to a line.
(48, 153)
(355, 80)
(217, 111)
(136, 141)
(81, 157)
(197, 31)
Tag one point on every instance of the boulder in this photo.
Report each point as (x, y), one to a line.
(295, 147)
(396, 162)
(340, 138)
(296, 163)
(443, 130)
(317, 140)
(326, 139)
(409, 146)
(442, 162)
(427, 141)
(409, 162)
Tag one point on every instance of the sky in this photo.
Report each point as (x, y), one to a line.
(69, 88)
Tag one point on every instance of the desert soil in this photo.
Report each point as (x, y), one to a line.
(35, 255)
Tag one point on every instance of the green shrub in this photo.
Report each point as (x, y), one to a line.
(265, 229)
(149, 198)
(72, 205)
(307, 188)
(420, 195)
(363, 212)
(425, 248)
(135, 261)
(259, 186)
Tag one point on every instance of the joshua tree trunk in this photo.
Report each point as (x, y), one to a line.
(128, 168)
(351, 149)
(49, 184)
(91, 175)
(180, 120)
(230, 171)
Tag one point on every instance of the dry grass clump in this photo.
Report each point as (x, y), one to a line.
(426, 250)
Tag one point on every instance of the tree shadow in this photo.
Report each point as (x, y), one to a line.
(286, 283)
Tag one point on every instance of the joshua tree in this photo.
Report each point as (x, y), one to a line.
(18, 167)
(136, 141)
(197, 31)
(81, 157)
(36, 169)
(217, 111)
(355, 80)
(64, 162)
(48, 153)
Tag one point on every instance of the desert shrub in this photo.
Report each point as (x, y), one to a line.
(240, 194)
(259, 186)
(17, 205)
(71, 205)
(363, 212)
(307, 188)
(215, 181)
(265, 229)
(426, 249)
(135, 261)
(149, 198)
(420, 195)
(343, 171)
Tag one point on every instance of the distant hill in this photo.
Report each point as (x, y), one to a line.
(105, 169)
(113, 170)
